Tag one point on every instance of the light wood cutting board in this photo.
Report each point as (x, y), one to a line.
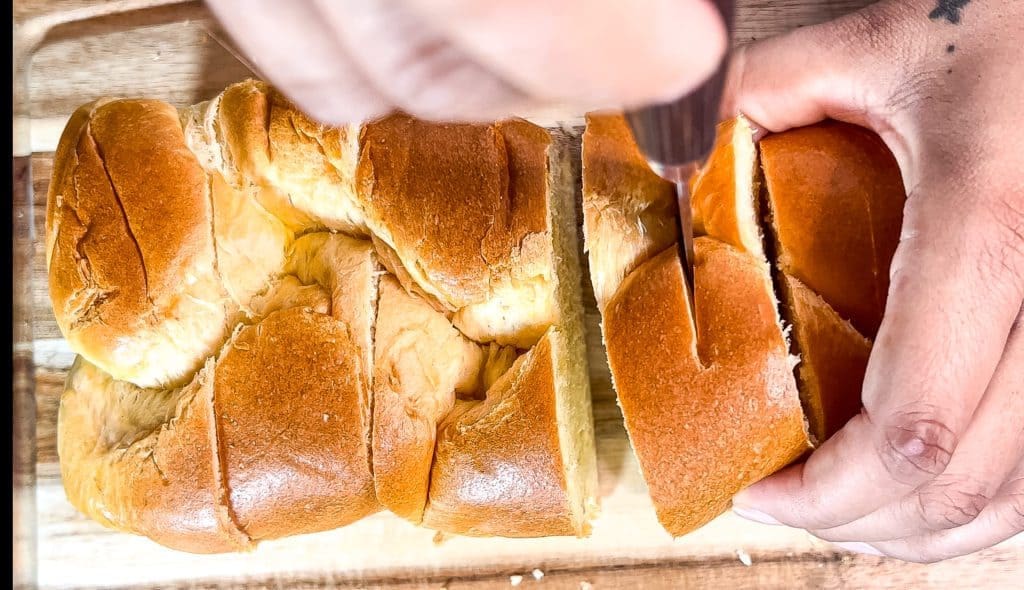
(160, 49)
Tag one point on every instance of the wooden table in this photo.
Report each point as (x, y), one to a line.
(78, 50)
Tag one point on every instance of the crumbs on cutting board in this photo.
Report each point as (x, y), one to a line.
(744, 557)
(517, 579)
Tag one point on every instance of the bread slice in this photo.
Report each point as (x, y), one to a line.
(476, 243)
(835, 204)
(833, 359)
(288, 397)
(526, 235)
(710, 401)
(710, 406)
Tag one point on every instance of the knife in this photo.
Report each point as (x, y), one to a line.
(674, 137)
(215, 32)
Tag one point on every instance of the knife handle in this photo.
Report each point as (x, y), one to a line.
(680, 132)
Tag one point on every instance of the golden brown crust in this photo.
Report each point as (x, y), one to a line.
(251, 172)
(243, 120)
(837, 200)
(476, 243)
(120, 258)
(127, 464)
(833, 359)
(513, 482)
(402, 181)
(708, 411)
(288, 404)
(628, 211)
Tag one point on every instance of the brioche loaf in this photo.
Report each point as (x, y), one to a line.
(795, 233)
(284, 327)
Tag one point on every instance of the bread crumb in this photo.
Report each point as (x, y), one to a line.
(326, 416)
(537, 574)
(440, 537)
(515, 580)
(744, 557)
(584, 585)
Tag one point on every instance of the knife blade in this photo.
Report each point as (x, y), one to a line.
(675, 137)
(215, 32)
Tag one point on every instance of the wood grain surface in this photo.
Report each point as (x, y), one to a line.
(166, 52)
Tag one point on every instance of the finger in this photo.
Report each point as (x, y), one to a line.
(298, 52)
(957, 284)
(604, 52)
(416, 67)
(1002, 519)
(992, 448)
(843, 69)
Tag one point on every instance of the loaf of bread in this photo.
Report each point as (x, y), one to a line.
(794, 240)
(284, 327)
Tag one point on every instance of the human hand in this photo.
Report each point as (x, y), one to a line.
(933, 467)
(348, 61)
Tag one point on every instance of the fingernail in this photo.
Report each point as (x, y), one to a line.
(754, 515)
(863, 548)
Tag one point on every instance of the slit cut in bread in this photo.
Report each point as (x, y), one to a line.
(794, 237)
(284, 327)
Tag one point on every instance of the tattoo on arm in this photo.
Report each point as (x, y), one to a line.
(949, 10)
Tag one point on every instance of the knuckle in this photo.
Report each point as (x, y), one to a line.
(870, 27)
(953, 503)
(916, 447)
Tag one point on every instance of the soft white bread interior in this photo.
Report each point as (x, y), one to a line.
(296, 309)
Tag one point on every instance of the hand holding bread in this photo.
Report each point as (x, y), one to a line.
(934, 465)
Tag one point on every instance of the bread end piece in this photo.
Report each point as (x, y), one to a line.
(132, 277)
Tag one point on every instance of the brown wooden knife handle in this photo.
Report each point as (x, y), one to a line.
(683, 131)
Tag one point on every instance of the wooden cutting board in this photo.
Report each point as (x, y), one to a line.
(79, 50)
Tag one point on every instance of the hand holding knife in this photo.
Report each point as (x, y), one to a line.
(674, 137)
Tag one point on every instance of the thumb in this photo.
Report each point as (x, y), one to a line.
(845, 69)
